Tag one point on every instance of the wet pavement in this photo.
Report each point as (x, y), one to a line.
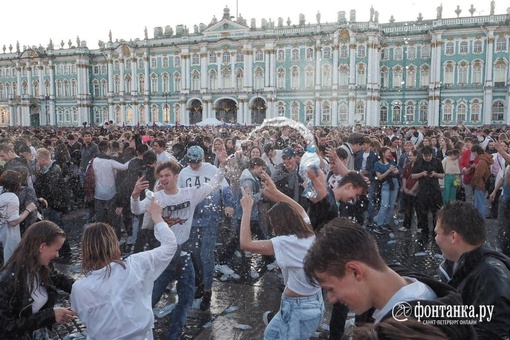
(238, 302)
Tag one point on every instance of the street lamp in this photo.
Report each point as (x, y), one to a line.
(166, 111)
(46, 98)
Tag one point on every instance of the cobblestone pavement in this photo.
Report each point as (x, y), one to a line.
(238, 304)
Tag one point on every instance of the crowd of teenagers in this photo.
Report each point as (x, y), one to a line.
(155, 198)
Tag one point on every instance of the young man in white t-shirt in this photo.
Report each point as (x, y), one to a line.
(345, 260)
(179, 205)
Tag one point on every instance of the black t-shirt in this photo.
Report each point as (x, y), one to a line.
(428, 184)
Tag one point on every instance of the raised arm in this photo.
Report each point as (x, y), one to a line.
(275, 195)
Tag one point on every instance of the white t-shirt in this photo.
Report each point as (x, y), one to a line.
(415, 290)
(39, 295)
(182, 205)
(9, 211)
(165, 156)
(118, 306)
(290, 253)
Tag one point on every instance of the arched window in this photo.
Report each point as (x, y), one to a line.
(477, 72)
(309, 53)
(361, 51)
(500, 73)
(309, 77)
(425, 52)
(295, 54)
(411, 77)
(410, 112)
(280, 78)
(227, 80)
(118, 114)
(360, 112)
(166, 82)
(397, 76)
(141, 83)
(213, 80)
(463, 73)
(344, 75)
(226, 57)
(498, 111)
(239, 78)
(326, 53)
(411, 53)
(154, 83)
(309, 111)
(397, 53)
(195, 80)
(212, 58)
(294, 115)
(342, 113)
(447, 111)
(177, 61)
(424, 76)
(280, 55)
(259, 55)
(384, 77)
(326, 113)
(450, 48)
(127, 83)
(477, 47)
(326, 76)
(177, 81)
(448, 73)
(361, 75)
(155, 113)
(142, 117)
(463, 47)
(116, 84)
(195, 59)
(383, 115)
(475, 111)
(259, 78)
(294, 81)
(501, 44)
(344, 52)
(423, 112)
(461, 112)
(397, 110)
(281, 109)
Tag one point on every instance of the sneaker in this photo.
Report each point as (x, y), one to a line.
(206, 301)
(267, 317)
(403, 229)
(224, 269)
(378, 230)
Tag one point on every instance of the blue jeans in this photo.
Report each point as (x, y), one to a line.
(202, 241)
(180, 269)
(55, 217)
(479, 198)
(298, 318)
(388, 198)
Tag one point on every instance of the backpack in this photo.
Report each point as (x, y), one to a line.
(89, 184)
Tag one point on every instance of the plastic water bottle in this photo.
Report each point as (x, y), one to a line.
(309, 161)
(149, 194)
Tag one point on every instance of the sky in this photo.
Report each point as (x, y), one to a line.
(37, 21)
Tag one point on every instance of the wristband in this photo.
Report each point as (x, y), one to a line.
(28, 211)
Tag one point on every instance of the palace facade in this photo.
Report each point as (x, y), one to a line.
(425, 72)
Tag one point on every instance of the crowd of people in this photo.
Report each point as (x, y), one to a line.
(159, 195)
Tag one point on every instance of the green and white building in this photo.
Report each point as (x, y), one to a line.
(424, 72)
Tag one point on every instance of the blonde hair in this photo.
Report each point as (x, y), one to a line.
(43, 153)
(99, 248)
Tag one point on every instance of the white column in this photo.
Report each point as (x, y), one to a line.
(317, 111)
(507, 114)
(40, 72)
(146, 89)
(30, 91)
(267, 68)
(218, 70)
(489, 83)
(121, 83)
(272, 78)
(134, 77)
(318, 70)
(334, 111)
(109, 62)
(335, 64)
(240, 111)
(203, 70)
(233, 70)
(188, 71)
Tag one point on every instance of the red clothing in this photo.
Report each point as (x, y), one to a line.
(406, 174)
(465, 162)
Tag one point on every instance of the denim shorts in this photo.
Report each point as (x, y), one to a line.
(298, 318)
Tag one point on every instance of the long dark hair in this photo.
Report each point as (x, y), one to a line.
(25, 257)
(286, 220)
(10, 181)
